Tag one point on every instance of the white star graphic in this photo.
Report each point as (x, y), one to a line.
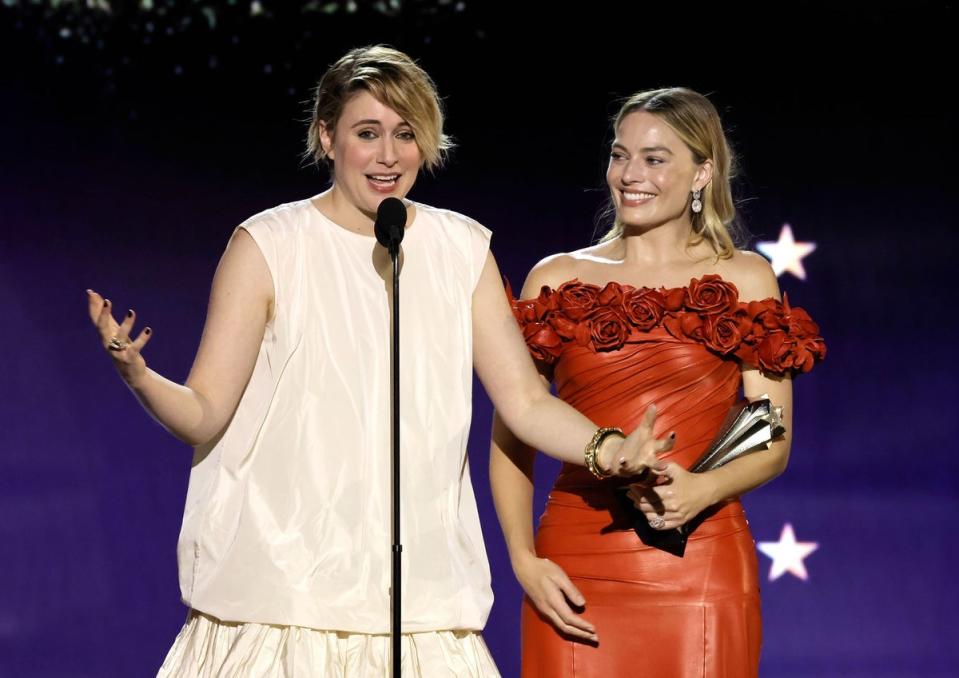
(786, 254)
(787, 554)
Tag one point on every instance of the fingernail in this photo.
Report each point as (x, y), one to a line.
(130, 313)
(672, 436)
(622, 461)
(106, 302)
(148, 331)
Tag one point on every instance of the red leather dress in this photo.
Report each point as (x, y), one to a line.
(613, 351)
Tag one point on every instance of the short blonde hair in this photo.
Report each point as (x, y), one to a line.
(695, 120)
(395, 80)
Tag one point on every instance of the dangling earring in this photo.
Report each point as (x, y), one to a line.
(697, 204)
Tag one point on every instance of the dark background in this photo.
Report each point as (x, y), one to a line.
(135, 136)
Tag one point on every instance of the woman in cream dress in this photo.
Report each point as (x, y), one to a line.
(284, 551)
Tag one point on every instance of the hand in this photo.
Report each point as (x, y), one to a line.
(551, 592)
(678, 497)
(115, 338)
(634, 455)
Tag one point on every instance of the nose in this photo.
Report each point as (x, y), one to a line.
(634, 172)
(387, 155)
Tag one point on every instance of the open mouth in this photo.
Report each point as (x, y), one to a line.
(637, 196)
(383, 181)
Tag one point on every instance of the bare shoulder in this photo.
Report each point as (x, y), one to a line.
(557, 269)
(752, 274)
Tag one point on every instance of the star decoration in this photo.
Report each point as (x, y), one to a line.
(787, 554)
(786, 254)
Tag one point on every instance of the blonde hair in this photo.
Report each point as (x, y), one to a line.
(695, 120)
(395, 80)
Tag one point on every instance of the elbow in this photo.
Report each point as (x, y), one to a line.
(779, 462)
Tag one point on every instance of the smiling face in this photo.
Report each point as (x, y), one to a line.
(652, 173)
(374, 154)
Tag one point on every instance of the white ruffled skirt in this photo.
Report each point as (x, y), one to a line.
(209, 648)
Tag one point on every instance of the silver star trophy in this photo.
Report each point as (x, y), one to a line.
(749, 427)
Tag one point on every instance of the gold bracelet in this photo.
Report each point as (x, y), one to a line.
(592, 449)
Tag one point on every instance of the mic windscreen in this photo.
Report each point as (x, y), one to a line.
(390, 225)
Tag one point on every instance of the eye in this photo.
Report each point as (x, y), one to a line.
(616, 156)
(653, 160)
(406, 136)
(366, 134)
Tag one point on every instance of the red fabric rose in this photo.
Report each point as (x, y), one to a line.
(684, 326)
(724, 333)
(674, 299)
(608, 328)
(544, 344)
(774, 353)
(611, 295)
(807, 352)
(545, 303)
(577, 299)
(644, 307)
(711, 294)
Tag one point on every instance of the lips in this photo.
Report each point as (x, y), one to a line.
(636, 198)
(384, 183)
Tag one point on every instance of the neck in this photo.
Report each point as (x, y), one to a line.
(656, 245)
(341, 211)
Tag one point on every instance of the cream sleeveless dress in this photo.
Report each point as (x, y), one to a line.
(284, 553)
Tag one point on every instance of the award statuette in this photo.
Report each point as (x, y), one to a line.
(749, 427)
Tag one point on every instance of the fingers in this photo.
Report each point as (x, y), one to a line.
(105, 323)
(567, 620)
(568, 588)
(142, 339)
(101, 313)
(94, 305)
(557, 595)
(126, 327)
(664, 445)
(649, 420)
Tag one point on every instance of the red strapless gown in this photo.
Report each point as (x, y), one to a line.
(656, 614)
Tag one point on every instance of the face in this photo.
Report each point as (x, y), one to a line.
(374, 153)
(651, 172)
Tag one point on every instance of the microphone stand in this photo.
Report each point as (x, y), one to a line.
(397, 547)
(389, 229)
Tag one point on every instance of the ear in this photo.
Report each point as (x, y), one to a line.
(326, 139)
(704, 174)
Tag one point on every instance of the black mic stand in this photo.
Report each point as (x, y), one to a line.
(397, 548)
(389, 229)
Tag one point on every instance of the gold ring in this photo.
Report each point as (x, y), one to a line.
(117, 344)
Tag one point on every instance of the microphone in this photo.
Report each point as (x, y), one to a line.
(390, 225)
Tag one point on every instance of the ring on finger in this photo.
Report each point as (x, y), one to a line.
(117, 344)
(657, 522)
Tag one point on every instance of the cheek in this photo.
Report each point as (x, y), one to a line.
(412, 155)
(352, 158)
(613, 175)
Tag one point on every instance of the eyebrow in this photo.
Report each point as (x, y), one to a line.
(373, 121)
(656, 149)
(645, 149)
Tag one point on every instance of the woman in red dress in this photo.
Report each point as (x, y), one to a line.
(663, 312)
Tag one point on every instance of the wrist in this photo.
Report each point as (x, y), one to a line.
(598, 465)
(521, 555)
(711, 488)
(135, 379)
(607, 452)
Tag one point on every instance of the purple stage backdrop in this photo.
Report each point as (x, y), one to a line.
(135, 137)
